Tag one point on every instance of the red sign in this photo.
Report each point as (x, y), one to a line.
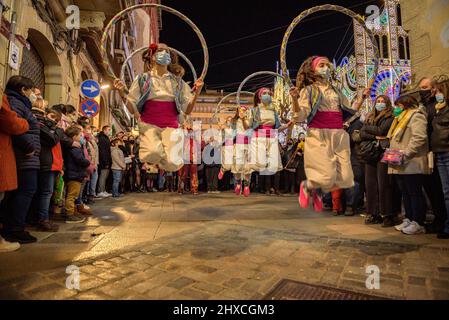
(89, 108)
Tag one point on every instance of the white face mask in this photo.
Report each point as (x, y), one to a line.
(32, 98)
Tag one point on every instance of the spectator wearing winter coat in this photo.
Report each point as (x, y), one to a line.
(50, 138)
(27, 147)
(105, 160)
(10, 124)
(118, 167)
(75, 172)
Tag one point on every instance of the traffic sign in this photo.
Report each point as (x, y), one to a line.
(89, 108)
(90, 89)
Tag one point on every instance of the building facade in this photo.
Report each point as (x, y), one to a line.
(58, 59)
(428, 25)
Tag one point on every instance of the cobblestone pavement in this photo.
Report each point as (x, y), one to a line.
(163, 246)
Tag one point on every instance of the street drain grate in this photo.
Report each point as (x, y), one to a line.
(294, 290)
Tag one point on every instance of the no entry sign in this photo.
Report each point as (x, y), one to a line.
(89, 108)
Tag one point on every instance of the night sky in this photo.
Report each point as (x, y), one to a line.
(224, 22)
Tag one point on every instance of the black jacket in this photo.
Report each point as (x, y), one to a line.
(440, 131)
(30, 141)
(75, 164)
(430, 112)
(50, 137)
(104, 150)
(381, 128)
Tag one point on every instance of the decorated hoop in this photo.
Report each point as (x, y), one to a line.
(121, 15)
(255, 74)
(183, 56)
(218, 109)
(326, 7)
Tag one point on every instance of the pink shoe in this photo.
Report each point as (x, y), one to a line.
(238, 189)
(220, 175)
(246, 191)
(303, 197)
(317, 202)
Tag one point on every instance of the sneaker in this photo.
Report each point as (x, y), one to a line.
(220, 175)
(304, 197)
(108, 194)
(102, 195)
(84, 210)
(72, 219)
(405, 223)
(238, 189)
(6, 246)
(246, 191)
(22, 237)
(47, 226)
(413, 228)
(318, 202)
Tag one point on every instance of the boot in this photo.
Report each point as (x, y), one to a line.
(82, 210)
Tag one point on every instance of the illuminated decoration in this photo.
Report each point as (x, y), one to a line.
(394, 71)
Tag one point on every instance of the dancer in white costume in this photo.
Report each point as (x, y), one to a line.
(157, 98)
(235, 154)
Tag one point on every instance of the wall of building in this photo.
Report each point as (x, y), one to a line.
(427, 22)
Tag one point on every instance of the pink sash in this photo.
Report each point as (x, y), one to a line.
(327, 120)
(162, 114)
(265, 131)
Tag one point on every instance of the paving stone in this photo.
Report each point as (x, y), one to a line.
(418, 281)
(440, 284)
(93, 296)
(90, 269)
(234, 283)
(180, 283)
(51, 291)
(417, 293)
(114, 290)
(195, 294)
(440, 295)
(117, 260)
(131, 280)
(90, 284)
(205, 269)
(160, 280)
(130, 255)
(252, 286)
(235, 294)
(208, 287)
(109, 276)
(352, 284)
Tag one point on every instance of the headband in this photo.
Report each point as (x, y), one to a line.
(316, 61)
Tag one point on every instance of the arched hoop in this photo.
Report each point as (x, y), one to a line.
(218, 109)
(121, 15)
(326, 7)
(255, 74)
(183, 56)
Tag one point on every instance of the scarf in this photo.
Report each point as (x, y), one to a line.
(400, 123)
(439, 106)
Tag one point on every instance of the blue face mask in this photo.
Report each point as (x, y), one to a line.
(266, 99)
(82, 141)
(163, 58)
(325, 73)
(380, 106)
(439, 97)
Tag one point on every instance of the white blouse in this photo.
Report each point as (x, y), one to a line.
(267, 116)
(161, 90)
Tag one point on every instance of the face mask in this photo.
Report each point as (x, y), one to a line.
(439, 97)
(266, 98)
(163, 58)
(397, 111)
(50, 123)
(324, 72)
(380, 106)
(425, 95)
(32, 97)
(110, 134)
(82, 140)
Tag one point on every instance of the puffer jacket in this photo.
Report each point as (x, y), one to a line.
(30, 141)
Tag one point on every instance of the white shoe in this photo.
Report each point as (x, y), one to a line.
(108, 194)
(6, 246)
(414, 228)
(405, 223)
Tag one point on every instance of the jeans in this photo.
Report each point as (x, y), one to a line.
(117, 178)
(45, 190)
(80, 196)
(443, 168)
(104, 174)
(412, 194)
(73, 191)
(379, 190)
(93, 184)
(19, 201)
(290, 181)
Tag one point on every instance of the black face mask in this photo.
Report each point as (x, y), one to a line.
(50, 123)
(425, 95)
(131, 142)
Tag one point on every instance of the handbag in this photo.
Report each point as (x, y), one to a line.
(393, 157)
(370, 151)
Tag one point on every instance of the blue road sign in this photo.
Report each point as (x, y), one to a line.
(89, 108)
(90, 89)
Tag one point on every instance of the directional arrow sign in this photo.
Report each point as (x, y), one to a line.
(90, 108)
(90, 89)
